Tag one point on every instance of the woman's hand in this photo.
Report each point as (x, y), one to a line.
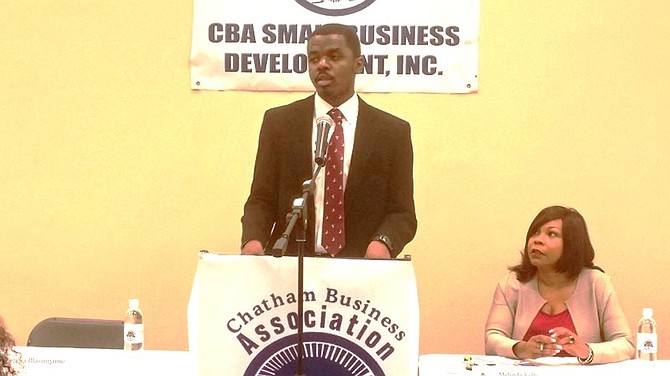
(571, 342)
(536, 347)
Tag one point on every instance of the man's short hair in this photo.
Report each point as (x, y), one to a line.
(348, 32)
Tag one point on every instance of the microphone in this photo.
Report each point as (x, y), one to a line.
(323, 125)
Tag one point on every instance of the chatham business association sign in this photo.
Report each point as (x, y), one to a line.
(256, 45)
(353, 347)
(360, 316)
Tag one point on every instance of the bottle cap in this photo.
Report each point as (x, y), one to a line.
(647, 312)
(134, 303)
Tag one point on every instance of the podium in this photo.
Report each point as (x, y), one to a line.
(361, 316)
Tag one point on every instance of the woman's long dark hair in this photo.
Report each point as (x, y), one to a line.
(578, 253)
(6, 350)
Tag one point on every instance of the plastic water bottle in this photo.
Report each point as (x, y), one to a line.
(647, 338)
(133, 328)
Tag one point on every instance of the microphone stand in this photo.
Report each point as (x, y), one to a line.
(299, 211)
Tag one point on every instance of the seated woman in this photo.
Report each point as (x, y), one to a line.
(6, 351)
(556, 301)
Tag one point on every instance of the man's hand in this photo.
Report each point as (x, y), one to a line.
(252, 247)
(377, 250)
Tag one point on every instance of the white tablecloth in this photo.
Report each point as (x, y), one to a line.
(456, 365)
(47, 361)
(55, 361)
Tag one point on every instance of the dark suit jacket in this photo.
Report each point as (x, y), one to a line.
(379, 195)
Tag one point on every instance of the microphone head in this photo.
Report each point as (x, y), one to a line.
(323, 124)
(324, 121)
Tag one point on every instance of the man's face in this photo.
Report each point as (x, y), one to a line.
(332, 67)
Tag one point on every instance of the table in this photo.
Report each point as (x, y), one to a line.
(455, 365)
(61, 361)
(56, 361)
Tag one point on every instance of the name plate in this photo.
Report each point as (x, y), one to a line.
(58, 361)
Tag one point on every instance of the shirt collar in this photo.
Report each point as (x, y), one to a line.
(349, 108)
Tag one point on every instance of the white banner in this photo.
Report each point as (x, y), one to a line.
(429, 46)
(361, 316)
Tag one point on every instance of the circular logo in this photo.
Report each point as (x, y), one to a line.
(335, 7)
(648, 345)
(323, 354)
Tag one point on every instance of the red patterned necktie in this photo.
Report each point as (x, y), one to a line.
(332, 237)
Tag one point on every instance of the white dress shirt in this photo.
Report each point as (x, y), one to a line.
(350, 111)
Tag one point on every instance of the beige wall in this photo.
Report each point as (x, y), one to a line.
(113, 173)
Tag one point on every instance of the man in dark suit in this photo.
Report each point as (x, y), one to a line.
(379, 214)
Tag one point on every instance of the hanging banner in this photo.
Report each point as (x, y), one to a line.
(425, 46)
(361, 317)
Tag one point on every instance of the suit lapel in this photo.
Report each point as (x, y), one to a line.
(363, 145)
(301, 122)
